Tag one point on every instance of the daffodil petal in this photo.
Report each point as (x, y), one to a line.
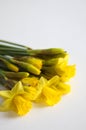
(32, 92)
(32, 81)
(53, 81)
(18, 88)
(5, 93)
(6, 105)
(64, 88)
(69, 72)
(42, 83)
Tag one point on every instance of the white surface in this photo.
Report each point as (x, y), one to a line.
(45, 24)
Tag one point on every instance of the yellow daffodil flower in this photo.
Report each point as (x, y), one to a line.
(52, 91)
(16, 99)
(64, 70)
(35, 89)
(60, 67)
(63, 88)
(58, 85)
(68, 72)
(30, 81)
(48, 94)
(51, 96)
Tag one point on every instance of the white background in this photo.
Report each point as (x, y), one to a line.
(45, 24)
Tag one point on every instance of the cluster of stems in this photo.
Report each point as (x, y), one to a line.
(19, 61)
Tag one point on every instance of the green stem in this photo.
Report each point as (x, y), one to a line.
(12, 43)
(12, 49)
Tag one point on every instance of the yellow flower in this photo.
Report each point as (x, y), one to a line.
(54, 81)
(63, 88)
(16, 99)
(64, 70)
(30, 81)
(66, 88)
(34, 90)
(58, 85)
(49, 95)
(60, 67)
(52, 91)
(68, 72)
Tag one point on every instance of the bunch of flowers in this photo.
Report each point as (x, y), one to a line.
(32, 76)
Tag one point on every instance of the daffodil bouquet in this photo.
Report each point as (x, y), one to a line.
(32, 76)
